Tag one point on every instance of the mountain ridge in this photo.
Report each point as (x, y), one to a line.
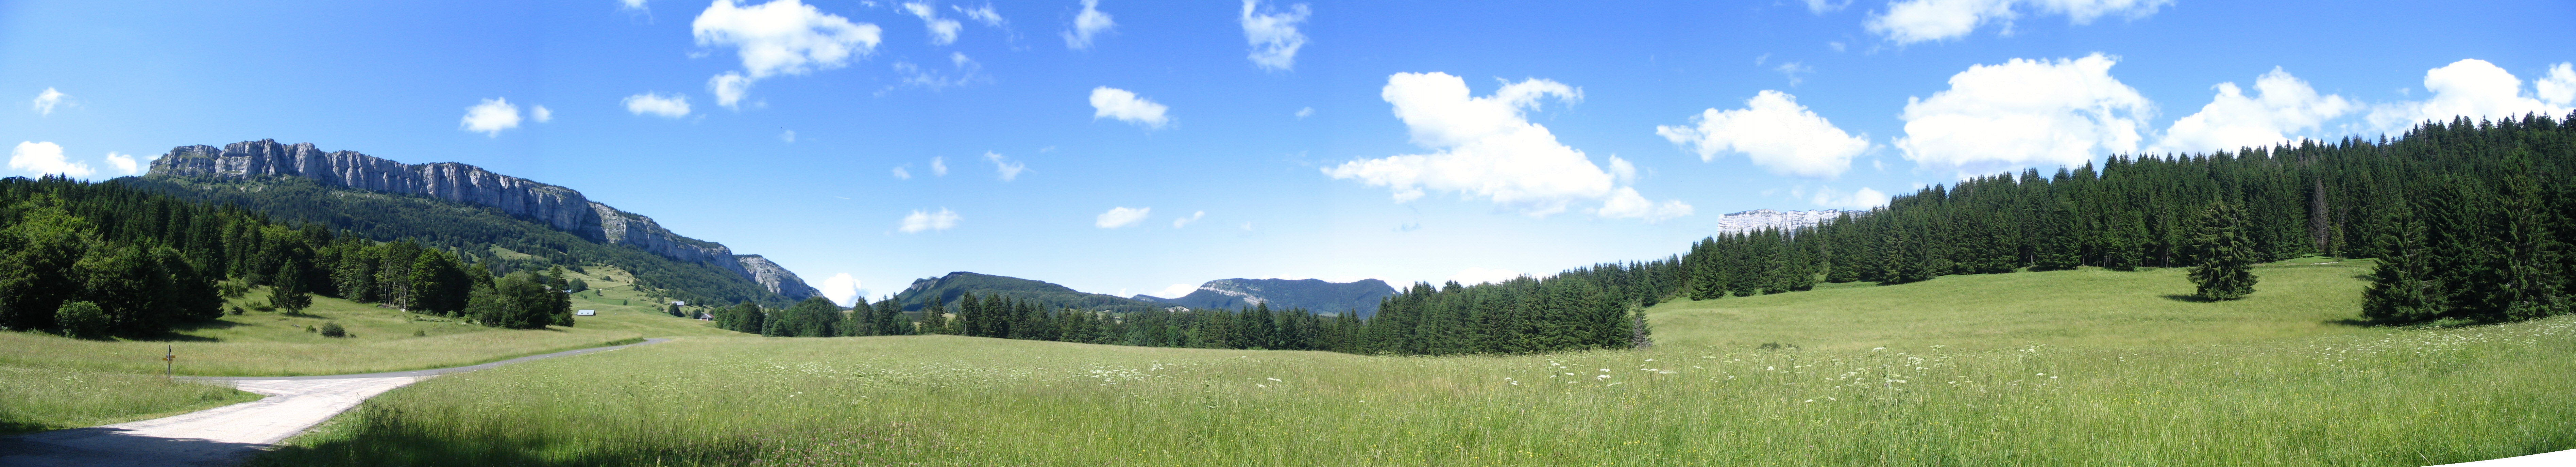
(1359, 297)
(559, 207)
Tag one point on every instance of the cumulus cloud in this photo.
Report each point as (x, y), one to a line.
(942, 31)
(1121, 217)
(1625, 203)
(966, 71)
(1825, 6)
(2283, 105)
(1476, 275)
(921, 220)
(1863, 198)
(124, 163)
(1273, 34)
(675, 105)
(1185, 221)
(1774, 132)
(1125, 106)
(841, 288)
(780, 37)
(540, 114)
(490, 117)
(1911, 21)
(46, 101)
(2025, 113)
(1305, 112)
(45, 158)
(630, 4)
(1008, 170)
(2478, 90)
(939, 166)
(1086, 24)
(1485, 147)
(901, 174)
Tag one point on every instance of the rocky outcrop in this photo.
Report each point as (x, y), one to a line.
(559, 207)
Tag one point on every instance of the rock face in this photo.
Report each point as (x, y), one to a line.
(1758, 219)
(562, 208)
(1359, 297)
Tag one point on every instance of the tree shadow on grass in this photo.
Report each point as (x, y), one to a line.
(2351, 322)
(2188, 298)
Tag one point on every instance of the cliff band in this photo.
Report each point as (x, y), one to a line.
(562, 208)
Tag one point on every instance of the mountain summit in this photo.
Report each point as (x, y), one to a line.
(559, 207)
(1315, 295)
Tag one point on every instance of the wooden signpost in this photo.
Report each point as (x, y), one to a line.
(170, 361)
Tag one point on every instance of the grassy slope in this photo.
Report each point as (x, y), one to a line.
(2114, 375)
(69, 383)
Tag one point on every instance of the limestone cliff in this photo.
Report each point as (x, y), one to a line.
(562, 208)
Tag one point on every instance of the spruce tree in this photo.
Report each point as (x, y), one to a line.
(289, 293)
(2401, 289)
(2533, 261)
(2225, 257)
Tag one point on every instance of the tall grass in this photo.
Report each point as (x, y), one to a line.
(53, 399)
(2328, 395)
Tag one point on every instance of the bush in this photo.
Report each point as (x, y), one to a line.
(82, 320)
(333, 329)
(237, 309)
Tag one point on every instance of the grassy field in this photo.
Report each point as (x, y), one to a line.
(2055, 368)
(60, 378)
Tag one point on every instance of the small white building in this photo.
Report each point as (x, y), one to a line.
(585, 313)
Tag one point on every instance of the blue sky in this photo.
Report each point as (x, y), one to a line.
(1131, 147)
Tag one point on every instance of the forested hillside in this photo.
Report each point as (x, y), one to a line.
(950, 288)
(91, 259)
(476, 231)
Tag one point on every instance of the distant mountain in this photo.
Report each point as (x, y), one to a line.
(260, 174)
(1758, 219)
(947, 289)
(1310, 294)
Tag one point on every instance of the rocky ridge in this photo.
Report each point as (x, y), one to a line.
(1360, 297)
(562, 208)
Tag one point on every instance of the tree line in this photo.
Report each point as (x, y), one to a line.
(146, 261)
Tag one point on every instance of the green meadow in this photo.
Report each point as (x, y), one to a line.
(2083, 367)
(56, 382)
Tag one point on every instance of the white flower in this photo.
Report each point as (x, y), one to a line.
(1601, 377)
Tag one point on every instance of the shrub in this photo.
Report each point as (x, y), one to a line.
(333, 329)
(82, 320)
(237, 309)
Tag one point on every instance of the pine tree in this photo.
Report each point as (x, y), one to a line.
(2225, 256)
(2532, 286)
(2401, 290)
(289, 293)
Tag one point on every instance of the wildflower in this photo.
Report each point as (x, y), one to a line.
(1878, 349)
(1274, 379)
(1601, 377)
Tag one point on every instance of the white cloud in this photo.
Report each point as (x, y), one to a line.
(729, 88)
(1911, 21)
(901, 174)
(1176, 291)
(42, 158)
(1625, 203)
(1305, 112)
(124, 163)
(789, 136)
(1185, 221)
(2559, 86)
(2478, 90)
(779, 37)
(967, 72)
(2233, 120)
(1273, 34)
(1622, 171)
(45, 101)
(841, 288)
(1009, 170)
(2025, 113)
(1825, 6)
(675, 105)
(540, 114)
(939, 166)
(983, 14)
(1773, 131)
(1864, 198)
(1792, 70)
(1125, 106)
(921, 220)
(1476, 275)
(1090, 22)
(490, 117)
(942, 31)
(1121, 217)
(1485, 147)
(630, 4)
